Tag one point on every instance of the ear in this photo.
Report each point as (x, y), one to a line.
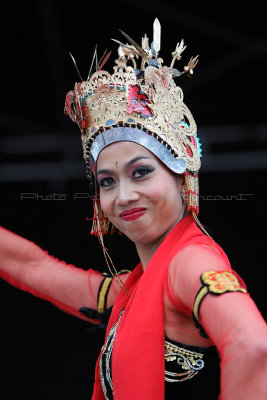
(180, 179)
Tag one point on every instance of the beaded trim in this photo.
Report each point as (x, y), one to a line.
(105, 362)
(190, 362)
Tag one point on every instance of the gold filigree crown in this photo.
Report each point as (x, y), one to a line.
(146, 98)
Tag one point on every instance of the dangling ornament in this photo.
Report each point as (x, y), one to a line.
(101, 224)
(192, 192)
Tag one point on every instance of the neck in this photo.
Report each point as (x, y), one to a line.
(146, 251)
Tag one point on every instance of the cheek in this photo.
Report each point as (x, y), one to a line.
(166, 191)
(106, 202)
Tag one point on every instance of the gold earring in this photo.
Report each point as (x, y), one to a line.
(101, 222)
(191, 191)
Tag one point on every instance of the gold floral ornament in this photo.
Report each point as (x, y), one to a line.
(221, 282)
(216, 283)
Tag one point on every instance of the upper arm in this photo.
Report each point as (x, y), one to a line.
(187, 267)
(115, 287)
(223, 316)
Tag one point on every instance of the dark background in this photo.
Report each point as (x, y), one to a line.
(44, 352)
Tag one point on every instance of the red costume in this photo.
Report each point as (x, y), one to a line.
(174, 271)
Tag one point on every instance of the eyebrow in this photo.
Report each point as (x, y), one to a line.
(106, 171)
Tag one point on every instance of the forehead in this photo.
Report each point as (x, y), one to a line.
(122, 152)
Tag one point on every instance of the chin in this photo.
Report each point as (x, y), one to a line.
(144, 236)
(140, 232)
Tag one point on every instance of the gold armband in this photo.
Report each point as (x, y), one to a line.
(103, 294)
(104, 289)
(216, 283)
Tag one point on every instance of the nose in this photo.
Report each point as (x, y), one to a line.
(126, 193)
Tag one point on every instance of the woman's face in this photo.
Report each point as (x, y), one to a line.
(139, 195)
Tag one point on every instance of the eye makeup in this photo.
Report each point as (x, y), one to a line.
(135, 169)
(142, 171)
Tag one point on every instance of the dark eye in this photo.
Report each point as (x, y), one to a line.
(106, 182)
(139, 172)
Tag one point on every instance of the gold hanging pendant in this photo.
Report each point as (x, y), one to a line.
(192, 197)
(192, 192)
(101, 224)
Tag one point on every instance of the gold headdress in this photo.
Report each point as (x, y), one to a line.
(140, 104)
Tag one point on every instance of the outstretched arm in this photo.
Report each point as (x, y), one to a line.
(26, 266)
(231, 320)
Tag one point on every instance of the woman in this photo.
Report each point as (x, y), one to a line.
(182, 312)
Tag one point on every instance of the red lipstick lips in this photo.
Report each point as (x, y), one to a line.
(133, 213)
